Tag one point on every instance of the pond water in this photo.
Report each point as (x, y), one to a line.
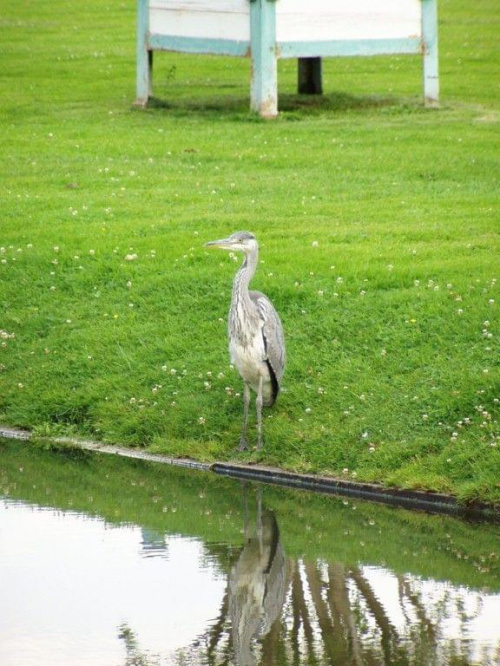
(114, 562)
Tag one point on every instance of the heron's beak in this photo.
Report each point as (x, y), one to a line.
(224, 243)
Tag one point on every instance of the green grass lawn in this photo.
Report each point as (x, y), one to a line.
(378, 223)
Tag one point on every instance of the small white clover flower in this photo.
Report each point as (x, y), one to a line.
(201, 420)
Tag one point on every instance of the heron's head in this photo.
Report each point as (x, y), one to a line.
(241, 241)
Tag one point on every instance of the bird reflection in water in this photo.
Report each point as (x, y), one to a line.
(257, 583)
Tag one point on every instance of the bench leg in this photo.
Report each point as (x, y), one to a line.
(309, 76)
(430, 52)
(264, 83)
(144, 56)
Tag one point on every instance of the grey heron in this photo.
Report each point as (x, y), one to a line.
(256, 340)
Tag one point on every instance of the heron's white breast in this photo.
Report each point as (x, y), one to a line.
(250, 361)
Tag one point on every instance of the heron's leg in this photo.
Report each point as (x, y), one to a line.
(246, 404)
(246, 525)
(258, 402)
(260, 532)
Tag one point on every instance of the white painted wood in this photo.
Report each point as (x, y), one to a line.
(303, 28)
(296, 20)
(323, 20)
(237, 6)
(200, 24)
(359, 7)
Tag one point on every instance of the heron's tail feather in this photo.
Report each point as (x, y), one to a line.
(275, 387)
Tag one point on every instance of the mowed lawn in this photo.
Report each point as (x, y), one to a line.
(379, 230)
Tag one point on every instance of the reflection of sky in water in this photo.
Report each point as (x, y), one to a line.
(69, 581)
(481, 611)
(447, 607)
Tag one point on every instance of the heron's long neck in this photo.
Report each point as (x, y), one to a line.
(243, 278)
(242, 317)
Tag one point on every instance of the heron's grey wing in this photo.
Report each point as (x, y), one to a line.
(272, 329)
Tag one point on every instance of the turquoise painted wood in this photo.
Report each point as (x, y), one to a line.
(347, 47)
(266, 30)
(199, 45)
(430, 52)
(264, 82)
(144, 59)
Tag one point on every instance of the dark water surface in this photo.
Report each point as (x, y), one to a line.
(114, 562)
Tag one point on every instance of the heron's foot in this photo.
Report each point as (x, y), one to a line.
(243, 445)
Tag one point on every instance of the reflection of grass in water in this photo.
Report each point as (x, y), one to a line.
(172, 500)
(135, 657)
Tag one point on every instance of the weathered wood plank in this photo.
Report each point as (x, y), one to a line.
(264, 82)
(208, 25)
(430, 43)
(349, 47)
(355, 7)
(199, 45)
(346, 25)
(234, 6)
(144, 62)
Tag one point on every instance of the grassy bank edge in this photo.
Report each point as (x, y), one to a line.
(405, 498)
